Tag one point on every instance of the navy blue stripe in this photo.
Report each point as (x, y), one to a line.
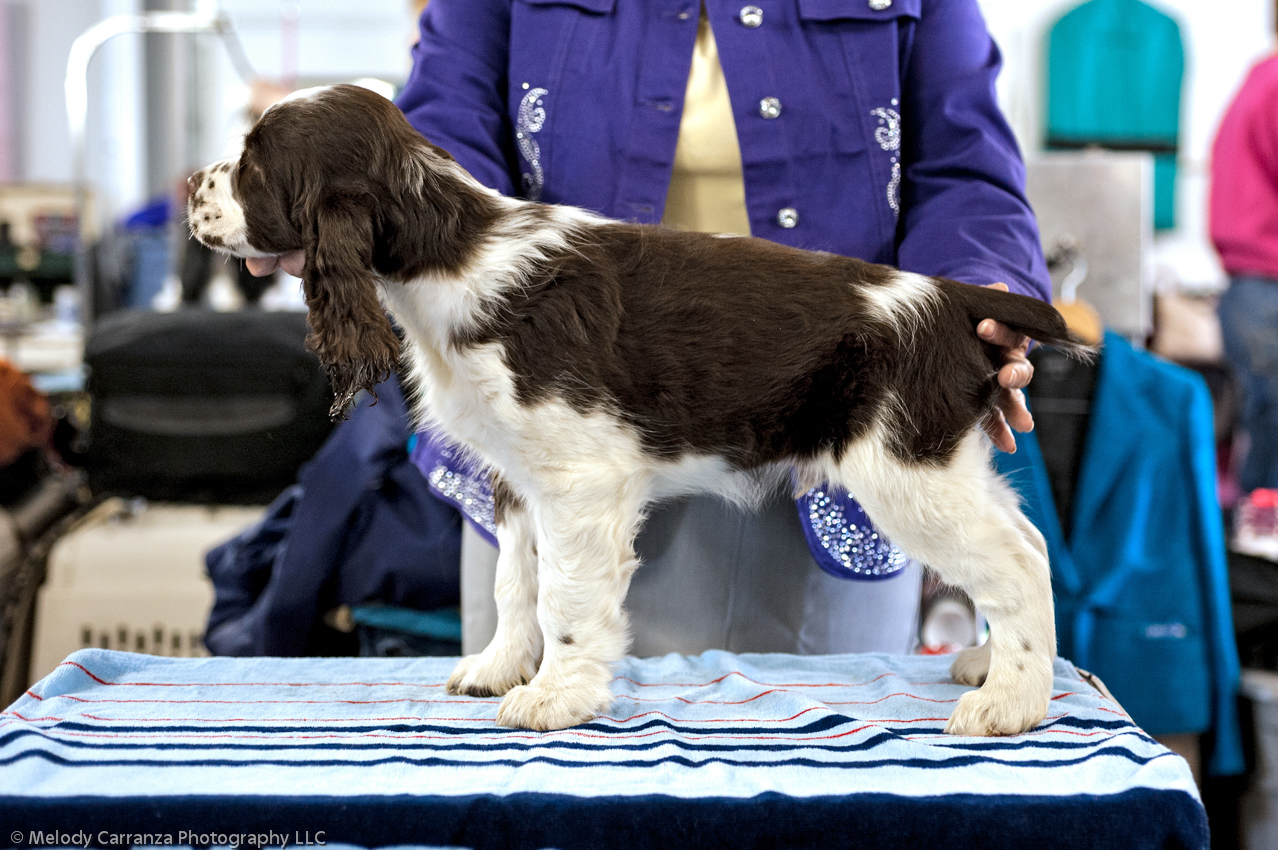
(401, 744)
(1138, 819)
(1067, 722)
(825, 724)
(952, 761)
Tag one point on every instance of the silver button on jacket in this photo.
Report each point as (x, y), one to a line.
(788, 217)
(769, 107)
(880, 5)
(752, 16)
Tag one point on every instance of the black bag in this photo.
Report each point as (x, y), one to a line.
(202, 406)
(1253, 587)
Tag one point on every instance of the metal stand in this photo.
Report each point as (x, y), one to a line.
(209, 20)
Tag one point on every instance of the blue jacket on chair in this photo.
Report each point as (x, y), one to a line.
(1142, 591)
(360, 527)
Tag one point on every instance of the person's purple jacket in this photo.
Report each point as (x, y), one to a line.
(867, 127)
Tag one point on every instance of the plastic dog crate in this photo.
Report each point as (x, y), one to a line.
(131, 577)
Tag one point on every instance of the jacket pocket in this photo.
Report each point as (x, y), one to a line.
(857, 10)
(870, 43)
(550, 39)
(1159, 672)
(599, 7)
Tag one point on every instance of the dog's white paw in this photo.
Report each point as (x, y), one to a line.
(543, 709)
(490, 674)
(992, 711)
(972, 665)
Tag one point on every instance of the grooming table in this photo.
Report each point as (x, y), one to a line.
(713, 751)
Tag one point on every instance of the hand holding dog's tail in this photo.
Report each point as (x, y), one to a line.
(1036, 319)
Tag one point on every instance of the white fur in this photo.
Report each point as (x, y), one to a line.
(963, 520)
(456, 303)
(221, 216)
(512, 656)
(301, 94)
(903, 303)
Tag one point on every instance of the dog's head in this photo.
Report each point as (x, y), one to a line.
(339, 173)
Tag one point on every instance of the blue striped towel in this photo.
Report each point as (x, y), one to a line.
(716, 750)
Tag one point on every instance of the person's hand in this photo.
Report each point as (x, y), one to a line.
(263, 94)
(292, 263)
(1013, 376)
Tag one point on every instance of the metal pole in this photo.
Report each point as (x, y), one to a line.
(77, 92)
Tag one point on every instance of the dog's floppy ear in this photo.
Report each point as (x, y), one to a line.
(349, 330)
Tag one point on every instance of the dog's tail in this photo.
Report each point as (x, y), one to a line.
(1036, 319)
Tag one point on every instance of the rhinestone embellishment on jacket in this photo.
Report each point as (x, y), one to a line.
(528, 122)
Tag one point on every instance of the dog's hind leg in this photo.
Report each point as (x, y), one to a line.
(586, 545)
(972, 665)
(510, 659)
(961, 519)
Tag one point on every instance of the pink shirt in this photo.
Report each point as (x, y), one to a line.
(1244, 177)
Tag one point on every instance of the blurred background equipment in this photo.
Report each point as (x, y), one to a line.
(203, 406)
(130, 576)
(105, 107)
(1114, 72)
(1099, 204)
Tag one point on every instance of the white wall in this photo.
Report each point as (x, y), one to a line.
(45, 140)
(336, 40)
(117, 149)
(1222, 39)
(316, 41)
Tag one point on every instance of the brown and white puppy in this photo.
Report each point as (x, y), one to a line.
(596, 366)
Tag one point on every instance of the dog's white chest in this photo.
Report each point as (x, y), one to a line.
(467, 394)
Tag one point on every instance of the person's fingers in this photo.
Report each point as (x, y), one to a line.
(293, 262)
(261, 266)
(1000, 334)
(1016, 373)
(1015, 412)
(1009, 413)
(1000, 435)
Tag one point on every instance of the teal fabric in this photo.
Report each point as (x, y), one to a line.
(440, 624)
(1114, 76)
(1142, 591)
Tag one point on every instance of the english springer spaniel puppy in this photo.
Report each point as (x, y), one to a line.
(595, 366)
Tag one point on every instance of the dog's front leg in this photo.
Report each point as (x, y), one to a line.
(510, 659)
(586, 559)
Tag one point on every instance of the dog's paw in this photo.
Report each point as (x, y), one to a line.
(992, 711)
(972, 665)
(490, 674)
(543, 709)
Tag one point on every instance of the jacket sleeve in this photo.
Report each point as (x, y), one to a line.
(456, 93)
(964, 214)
